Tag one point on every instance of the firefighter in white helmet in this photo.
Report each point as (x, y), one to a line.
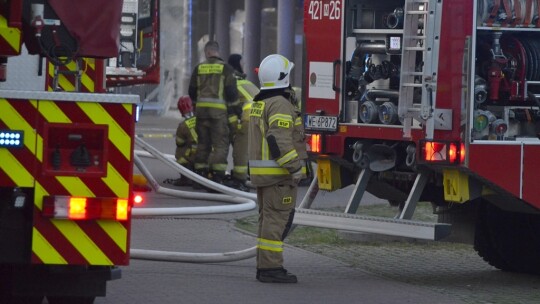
(277, 154)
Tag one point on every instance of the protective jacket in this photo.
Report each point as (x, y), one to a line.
(186, 142)
(212, 88)
(277, 147)
(246, 92)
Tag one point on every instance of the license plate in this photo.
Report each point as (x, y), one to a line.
(325, 123)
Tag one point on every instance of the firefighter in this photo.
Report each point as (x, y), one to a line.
(239, 136)
(277, 154)
(186, 139)
(213, 88)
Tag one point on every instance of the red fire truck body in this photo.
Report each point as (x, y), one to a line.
(435, 101)
(66, 152)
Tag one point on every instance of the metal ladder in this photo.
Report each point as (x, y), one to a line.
(75, 72)
(419, 31)
(401, 225)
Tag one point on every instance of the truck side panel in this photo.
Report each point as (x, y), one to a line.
(456, 23)
(47, 164)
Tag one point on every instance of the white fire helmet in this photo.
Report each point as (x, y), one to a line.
(274, 72)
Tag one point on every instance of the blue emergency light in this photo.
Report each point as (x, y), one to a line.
(11, 139)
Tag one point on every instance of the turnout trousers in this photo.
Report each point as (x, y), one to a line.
(276, 212)
(213, 144)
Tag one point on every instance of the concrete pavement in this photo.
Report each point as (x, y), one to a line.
(321, 279)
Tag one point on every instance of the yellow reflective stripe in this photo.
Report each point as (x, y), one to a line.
(298, 121)
(63, 82)
(52, 112)
(116, 231)
(219, 167)
(247, 106)
(270, 245)
(265, 151)
(244, 93)
(240, 169)
(257, 109)
(191, 122)
(44, 250)
(268, 171)
(282, 117)
(86, 80)
(82, 242)
(75, 186)
(233, 118)
(287, 157)
(211, 105)
(269, 84)
(129, 107)
(11, 35)
(193, 134)
(15, 170)
(210, 68)
(117, 135)
(39, 194)
(116, 182)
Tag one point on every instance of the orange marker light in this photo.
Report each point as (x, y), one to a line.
(77, 208)
(122, 209)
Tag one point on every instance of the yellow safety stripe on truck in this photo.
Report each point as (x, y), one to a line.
(11, 35)
(116, 134)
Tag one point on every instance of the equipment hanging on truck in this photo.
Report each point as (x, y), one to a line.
(430, 100)
(66, 149)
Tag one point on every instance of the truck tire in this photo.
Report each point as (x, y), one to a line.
(484, 245)
(25, 300)
(71, 300)
(508, 240)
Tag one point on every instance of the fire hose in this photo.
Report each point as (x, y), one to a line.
(244, 201)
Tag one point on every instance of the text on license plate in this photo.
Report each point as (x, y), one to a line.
(321, 122)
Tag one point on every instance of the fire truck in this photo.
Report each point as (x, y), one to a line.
(430, 100)
(66, 147)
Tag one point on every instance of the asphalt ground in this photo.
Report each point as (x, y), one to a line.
(377, 271)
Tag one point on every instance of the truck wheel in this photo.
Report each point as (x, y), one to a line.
(25, 300)
(71, 300)
(483, 243)
(510, 240)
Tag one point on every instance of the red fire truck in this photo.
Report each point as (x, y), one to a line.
(66, 150)
(430, 100)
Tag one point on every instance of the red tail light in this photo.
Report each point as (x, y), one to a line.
(462, 153)
(442, 152)
(81, 208)
(138, 199)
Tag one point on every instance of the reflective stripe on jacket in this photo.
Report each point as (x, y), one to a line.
(277, 147)
(186, 141)
(211, 79)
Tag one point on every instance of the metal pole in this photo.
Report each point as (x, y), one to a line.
(223, 19)
(285, 28)
(211, 17)
(252, 39)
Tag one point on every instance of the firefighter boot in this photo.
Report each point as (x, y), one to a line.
(236, 183)
(276, 275)
(182, 181)
(218, 178)
(196, 185)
